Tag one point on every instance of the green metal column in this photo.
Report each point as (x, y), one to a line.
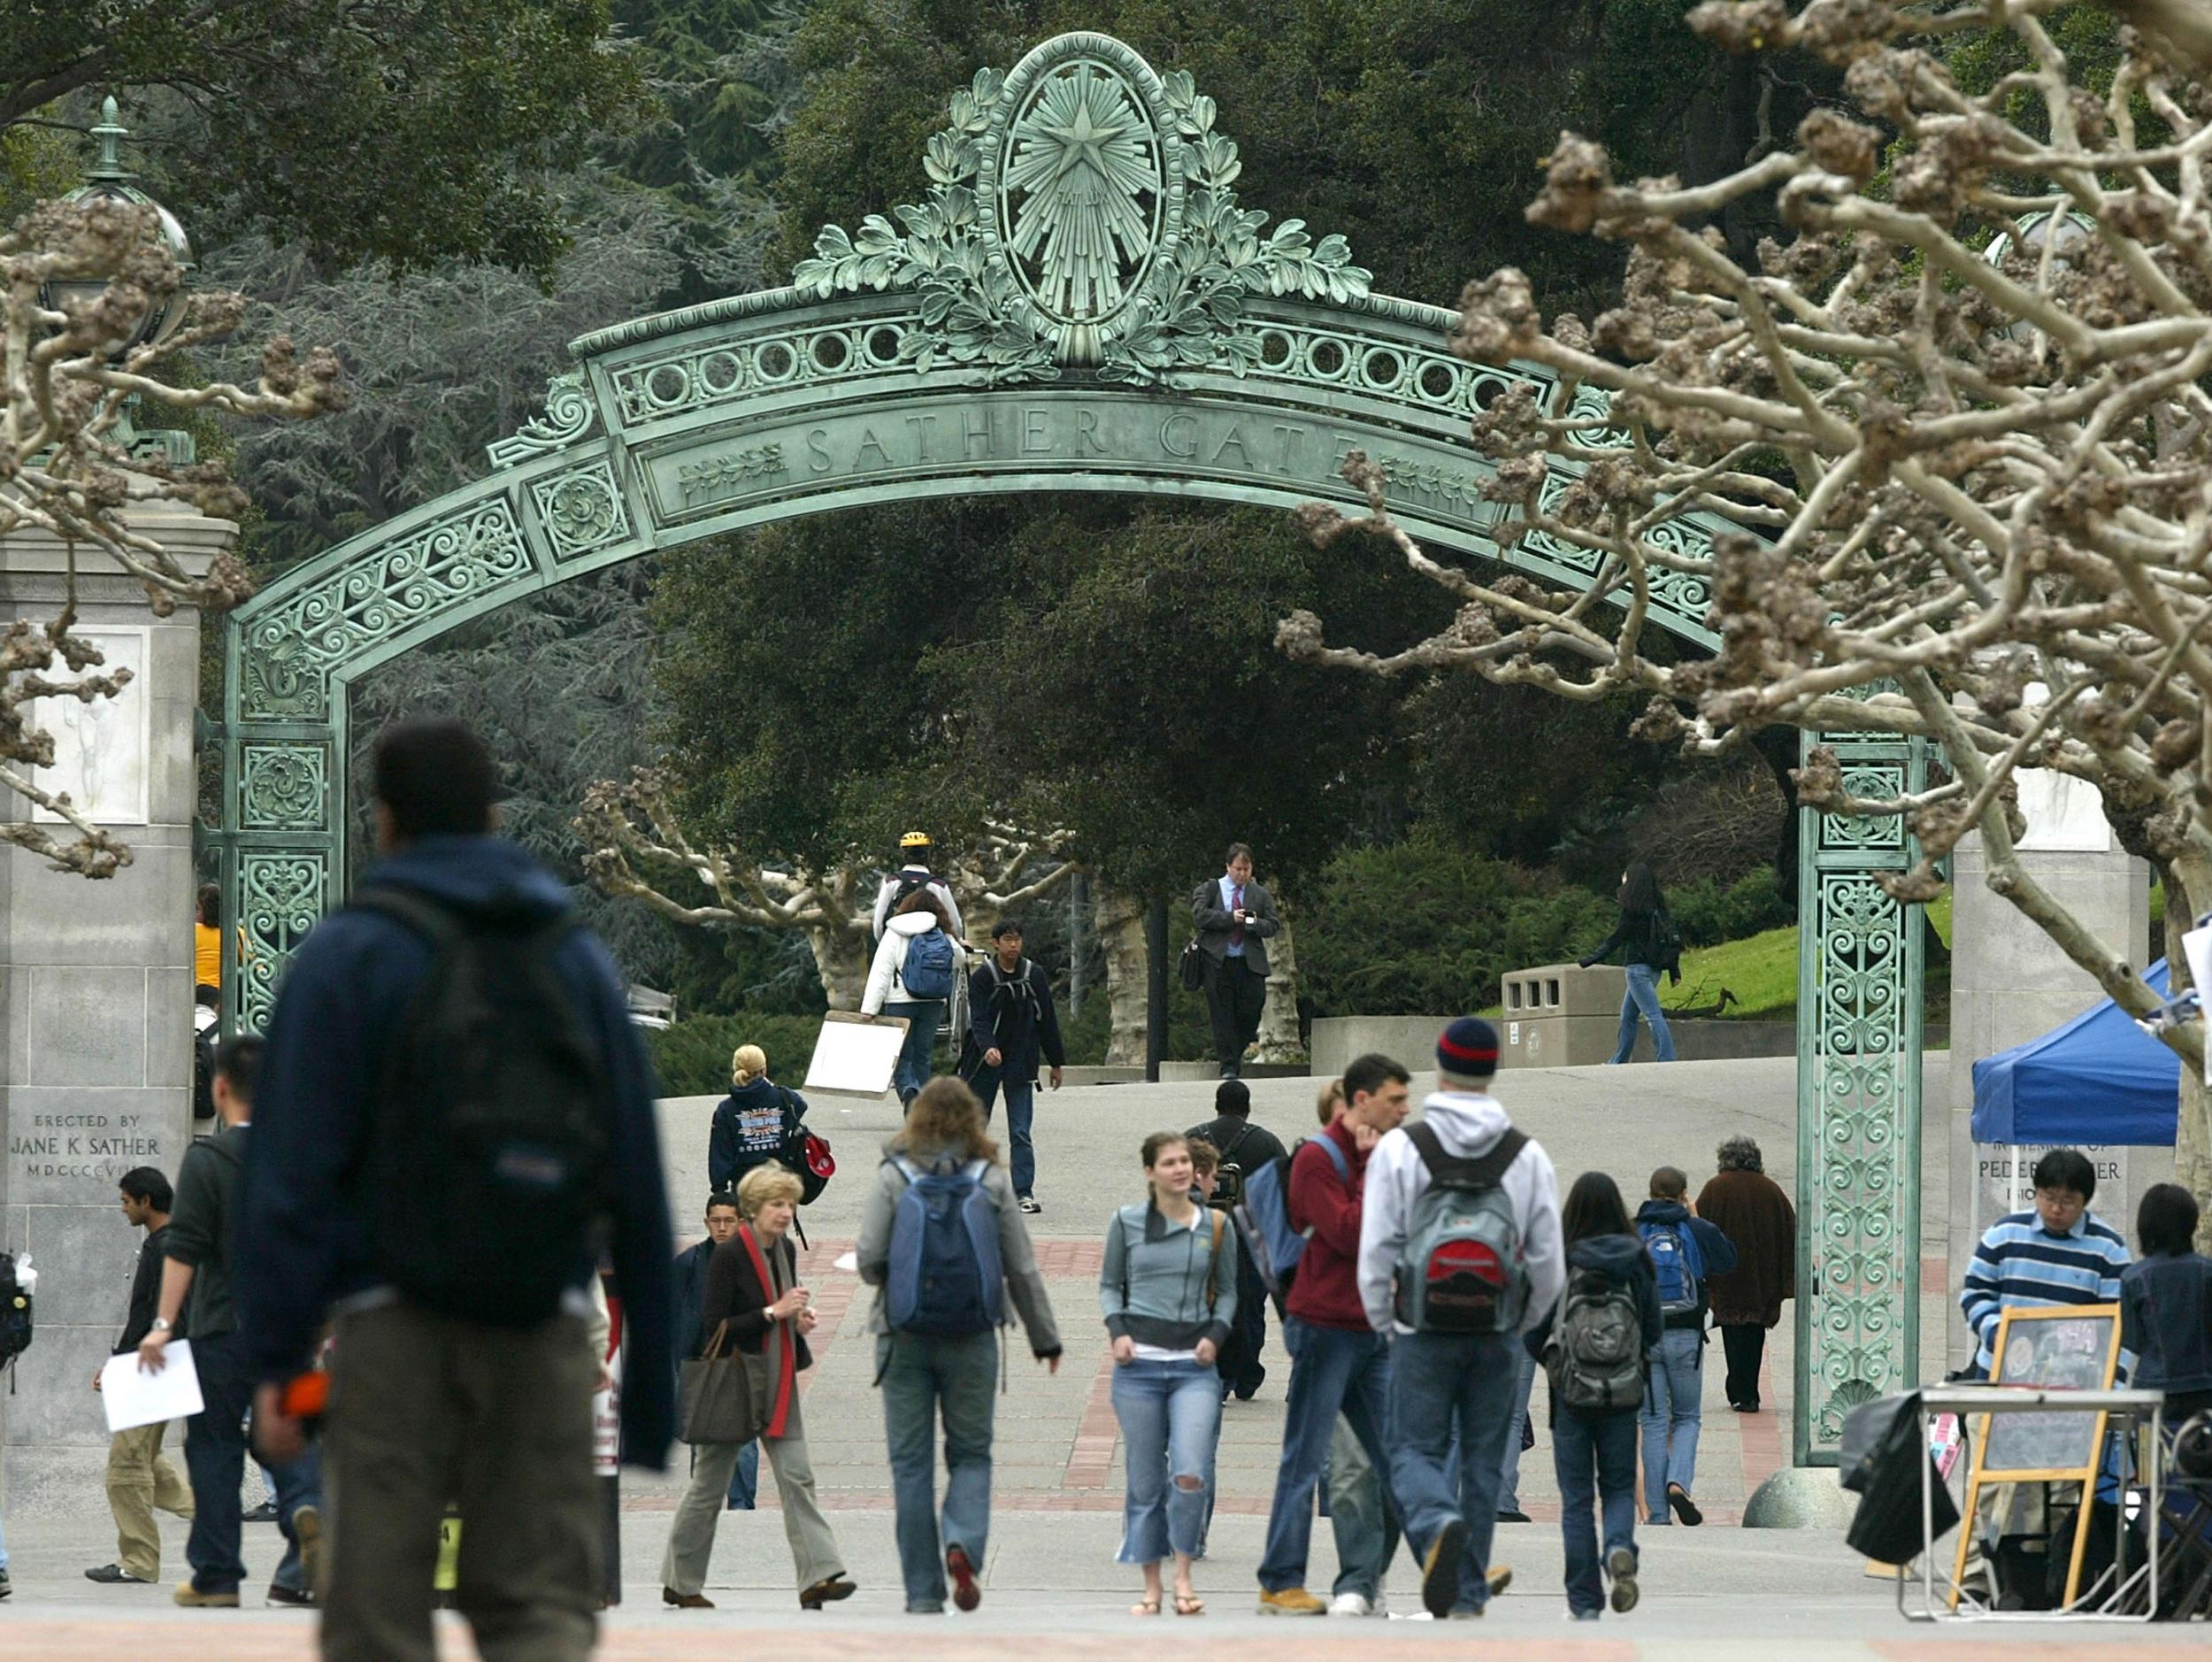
(1859, 1011)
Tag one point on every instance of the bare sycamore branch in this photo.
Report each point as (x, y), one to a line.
(1961, 417)
(62, 472)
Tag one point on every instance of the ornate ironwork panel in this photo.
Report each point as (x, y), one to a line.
(1858, 1100)
(1079, 300)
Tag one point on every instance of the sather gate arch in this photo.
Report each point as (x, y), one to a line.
(1079, 302)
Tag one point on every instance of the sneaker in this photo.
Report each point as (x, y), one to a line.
(1685, 1508)
(1620, 1564)
(1499, 1578)
(190, 1597)
(1582, 1615)
(297, 1596)
(1029, 1205)
(307, 1529)
(115, 1574)
(1351, 1605)
(965, 1594)
(266, 1512)
(1439, 1570)
(1291, 1601)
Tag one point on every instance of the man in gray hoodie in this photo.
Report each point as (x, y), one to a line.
(1440, 1381)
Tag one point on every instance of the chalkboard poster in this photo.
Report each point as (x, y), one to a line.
(2066, 1349)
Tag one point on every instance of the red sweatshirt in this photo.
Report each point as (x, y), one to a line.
(1327, 1290)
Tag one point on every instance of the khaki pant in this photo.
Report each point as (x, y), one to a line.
(814, 1553)
(424, 1409)
(139, 1480)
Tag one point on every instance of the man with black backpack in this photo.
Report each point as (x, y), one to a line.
(1244, 1148)
(914, 872)
(457, 1115)
(1685, 1251)
(1011, 1027)
(1459, 1255)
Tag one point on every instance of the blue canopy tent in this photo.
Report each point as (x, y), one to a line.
(2097, 1079)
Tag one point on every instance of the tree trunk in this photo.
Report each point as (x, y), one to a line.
(1119, 920)
(841, 958)
(1280, 1041)
(1154, 985)
(2188, 892)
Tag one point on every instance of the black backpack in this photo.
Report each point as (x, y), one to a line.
(486, 1180)
(1229, 1175)
(15, 1312)
(203, 1074)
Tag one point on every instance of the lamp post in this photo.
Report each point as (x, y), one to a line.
(107, 179)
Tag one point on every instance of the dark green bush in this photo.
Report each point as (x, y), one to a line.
(1708, 914)
(692, 1058)
(1423, 928)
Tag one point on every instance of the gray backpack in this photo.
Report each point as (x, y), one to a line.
(1461, 1270)
(1595, 1355)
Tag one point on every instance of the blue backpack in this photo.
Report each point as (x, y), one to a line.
(928, 972)
(946, 1279)
(1679, 1264)
(1263, 1217)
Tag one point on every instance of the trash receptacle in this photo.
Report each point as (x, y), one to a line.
(1562, 1015)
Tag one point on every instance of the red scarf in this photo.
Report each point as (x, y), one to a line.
(781, 1354)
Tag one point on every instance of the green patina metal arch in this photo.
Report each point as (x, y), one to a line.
(1079, 302)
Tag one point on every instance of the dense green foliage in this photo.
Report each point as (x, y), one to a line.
(1707, 911)
(692, 1057)
(1424, 926)
(407, 130)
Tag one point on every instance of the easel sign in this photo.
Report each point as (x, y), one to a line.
(2071, 1347)
(854, 1056)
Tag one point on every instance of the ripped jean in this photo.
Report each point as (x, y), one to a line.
(1170, 1419)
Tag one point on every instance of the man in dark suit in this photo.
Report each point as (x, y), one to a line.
(1235, 918)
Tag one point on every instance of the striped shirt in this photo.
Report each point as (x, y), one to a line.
(2021, 1265)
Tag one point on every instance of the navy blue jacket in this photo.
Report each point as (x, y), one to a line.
(1619, 1258)
(686, 1340)
(750, 1128)
(1717, 1249)
(1014, 1018)
(350, 986)
(2166, 1319)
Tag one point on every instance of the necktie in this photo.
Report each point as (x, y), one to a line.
(1236, 903)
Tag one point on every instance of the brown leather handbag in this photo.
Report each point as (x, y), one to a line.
(716, 1399)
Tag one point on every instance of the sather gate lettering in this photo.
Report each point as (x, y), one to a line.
(1080, 302)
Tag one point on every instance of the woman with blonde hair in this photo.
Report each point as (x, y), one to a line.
(928, 1375)
(754, 1300)
(758, 1122)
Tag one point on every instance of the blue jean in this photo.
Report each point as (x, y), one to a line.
(1510, 1468)
(1361, 1516)
(1438, 1382)
(1021, 1109)
(923, 1378)
(1333, 1371)
(295, 1485)
(1606, 1444)
(1643, 993)
(1170, 1419)
(745, 1480)
(913, 1068)
(1671, 1414)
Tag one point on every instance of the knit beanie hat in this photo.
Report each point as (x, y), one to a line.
(1467, 1052)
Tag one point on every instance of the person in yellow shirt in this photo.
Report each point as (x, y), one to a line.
(207, 944)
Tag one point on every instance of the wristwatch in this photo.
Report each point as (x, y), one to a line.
(161, 1324)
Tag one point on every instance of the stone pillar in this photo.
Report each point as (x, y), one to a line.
(2009, 983)
(96, 1070)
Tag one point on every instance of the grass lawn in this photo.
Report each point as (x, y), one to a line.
(1760, 970)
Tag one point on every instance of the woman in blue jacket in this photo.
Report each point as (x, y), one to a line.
(1606, 1271)
(753, 1124)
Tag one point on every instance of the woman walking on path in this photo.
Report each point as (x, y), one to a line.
(1647, 938)
(916, 963)
(753, 1291)
(1754, 1213)
(756, 1123)
(927, 1375)
(1170, 1299)
(1594, 1346)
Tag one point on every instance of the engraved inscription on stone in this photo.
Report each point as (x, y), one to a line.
(93, 1148)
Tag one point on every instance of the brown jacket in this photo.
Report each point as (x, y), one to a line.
(1752, 1210)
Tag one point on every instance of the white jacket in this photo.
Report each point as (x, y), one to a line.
(889, 889)
(885, 975)
(1468, 1124)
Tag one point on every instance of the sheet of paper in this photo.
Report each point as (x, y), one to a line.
(856, 1057)
(134, 1397)
(2197, 947)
